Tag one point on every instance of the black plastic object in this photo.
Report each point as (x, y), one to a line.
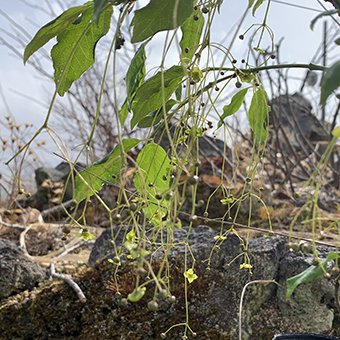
(304, 336)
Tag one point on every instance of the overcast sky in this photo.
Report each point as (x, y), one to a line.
(288, 22)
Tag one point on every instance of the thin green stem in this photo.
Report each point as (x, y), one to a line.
(310, 66)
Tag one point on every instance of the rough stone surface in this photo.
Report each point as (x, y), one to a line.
(312, 304)
(51, 188)
(17, 272)
(293, 114)
(213, 299)
(309, 308)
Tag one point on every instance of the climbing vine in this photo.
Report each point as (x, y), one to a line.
(172, 103)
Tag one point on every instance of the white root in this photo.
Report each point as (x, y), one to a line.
(67, 279)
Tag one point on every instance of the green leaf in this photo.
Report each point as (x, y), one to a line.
(191, 36)
(75, 50)
(310, 274)
(258, 115)
(98, 6)
(124, 111)
(134, 78)
(178, 92)
(336, 132)
(152, 94)
(153, 177)
(160, 16)
(54, 28)
(156, 117)
(106, 170)
(136, 72)
(234, 105)
(257, 5)
(250, 3)
(330, 82)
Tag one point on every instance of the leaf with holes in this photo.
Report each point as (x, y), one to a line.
(74, 52)
(258, 115)
(157, 90)
(160, 16)
(106, 170)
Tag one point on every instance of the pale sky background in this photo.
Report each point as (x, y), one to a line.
(292, 23)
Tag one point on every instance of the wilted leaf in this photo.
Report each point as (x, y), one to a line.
(160, 16)
(107, 170)
(330, 82)
(151, 95)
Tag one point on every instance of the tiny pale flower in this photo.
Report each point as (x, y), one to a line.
(190, 275)
(246, 266)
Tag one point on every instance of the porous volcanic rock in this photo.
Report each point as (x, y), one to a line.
(213, 298)
(17, 272)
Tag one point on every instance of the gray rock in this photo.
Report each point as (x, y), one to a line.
(310, 304)
(17, 272)
(208, 146)
(201, 238)
(222, 281)
(291, 116)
